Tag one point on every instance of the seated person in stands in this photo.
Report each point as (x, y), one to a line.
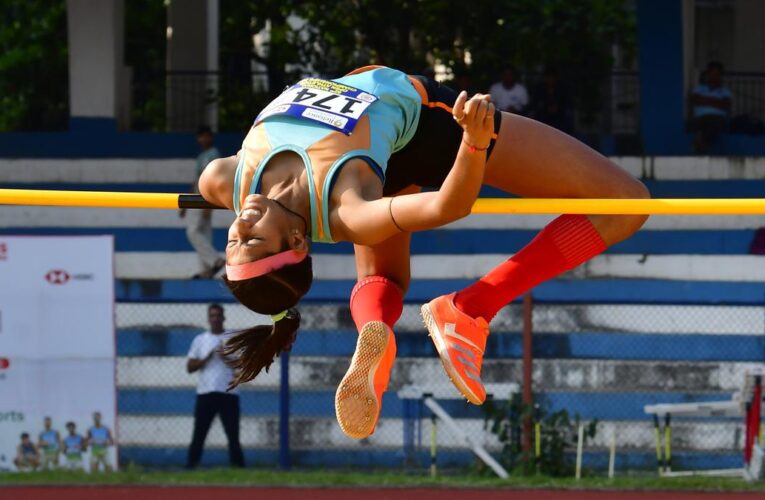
(345, 160)
(27, 454)
(711, 103)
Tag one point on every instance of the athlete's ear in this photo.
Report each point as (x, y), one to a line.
(298, 241)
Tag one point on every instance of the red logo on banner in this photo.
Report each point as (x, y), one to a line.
(5, 363)
(57, 277)
(3, 251)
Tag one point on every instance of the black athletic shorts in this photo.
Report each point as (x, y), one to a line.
(429, 156)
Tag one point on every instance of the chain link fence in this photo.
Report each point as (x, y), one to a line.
(602, 363)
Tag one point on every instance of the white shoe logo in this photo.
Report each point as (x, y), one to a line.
(450, 330)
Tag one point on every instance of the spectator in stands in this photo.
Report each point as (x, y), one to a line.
(99, 439)
(551, 103)
(74, 445)
(49, 443)
(508, 94)
(711, 104)
(198, 221)
(27, 454)
(212, 396)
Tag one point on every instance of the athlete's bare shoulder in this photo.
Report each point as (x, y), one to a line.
(216, 184)
(358, 176)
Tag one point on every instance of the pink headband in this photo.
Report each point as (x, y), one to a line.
(260, 267)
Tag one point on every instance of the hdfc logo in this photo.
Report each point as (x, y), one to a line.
(57, 277)
(5, 363)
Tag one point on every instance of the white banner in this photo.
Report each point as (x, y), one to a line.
(57, 339)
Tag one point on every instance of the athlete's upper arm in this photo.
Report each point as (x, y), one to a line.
(216, 184)
(371, 222)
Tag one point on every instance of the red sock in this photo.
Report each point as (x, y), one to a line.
(376, 299)
(563, 244)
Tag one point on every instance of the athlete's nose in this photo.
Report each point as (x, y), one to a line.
(243, 227)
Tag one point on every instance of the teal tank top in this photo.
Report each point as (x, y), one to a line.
(384, 105)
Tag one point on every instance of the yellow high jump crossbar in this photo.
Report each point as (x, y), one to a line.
(666, 206)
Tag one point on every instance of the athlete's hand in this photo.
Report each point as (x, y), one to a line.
(476, 117)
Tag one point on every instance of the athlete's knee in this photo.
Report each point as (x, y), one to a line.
(635, 189)
(401, 280)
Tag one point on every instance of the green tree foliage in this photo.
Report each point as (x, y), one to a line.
(557, 436)
(478, 38)
(145, 53)
(33, 65)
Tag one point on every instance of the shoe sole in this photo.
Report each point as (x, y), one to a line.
(443, 352)
(356, 405)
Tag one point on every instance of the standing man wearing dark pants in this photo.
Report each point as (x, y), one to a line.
(212, 398)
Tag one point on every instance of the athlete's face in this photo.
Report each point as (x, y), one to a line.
(260, 230)
(47, 422)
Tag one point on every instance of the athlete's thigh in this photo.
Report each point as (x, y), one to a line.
(533, 159)
(389, 258)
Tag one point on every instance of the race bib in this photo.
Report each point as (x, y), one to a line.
(332, 104)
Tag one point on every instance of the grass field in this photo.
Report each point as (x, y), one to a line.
(327, 478)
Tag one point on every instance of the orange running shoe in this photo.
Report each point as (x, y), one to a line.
(460, 341)
(358, 399)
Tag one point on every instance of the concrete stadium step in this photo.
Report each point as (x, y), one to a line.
(377, 458)
(166, 327)
(451, 241)
(109, 219)
(304, 403)
(504, 345)
(555, 375)
(744, 268)
(181, 170)
(717, 188)
(319, 433)
(653, 292)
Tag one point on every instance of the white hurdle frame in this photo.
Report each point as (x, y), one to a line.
(428, 396)
(735, 407)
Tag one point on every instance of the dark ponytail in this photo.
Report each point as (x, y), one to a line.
(251, 350)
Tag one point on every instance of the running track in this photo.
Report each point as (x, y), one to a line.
(207, 493)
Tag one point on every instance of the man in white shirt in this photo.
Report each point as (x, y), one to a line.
(711, 102)
(509, 95)
(199, 229)
(212, 397)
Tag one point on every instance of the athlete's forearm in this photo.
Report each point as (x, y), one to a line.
(463, 183)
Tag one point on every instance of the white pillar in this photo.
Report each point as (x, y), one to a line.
(95, 33)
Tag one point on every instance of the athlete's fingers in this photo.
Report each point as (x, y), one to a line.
(488, 121)
(472, 108)
(467, 116)
(478, 110)
(458, 111)
(483, 111)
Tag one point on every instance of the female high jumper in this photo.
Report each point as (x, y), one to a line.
(345, 160)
